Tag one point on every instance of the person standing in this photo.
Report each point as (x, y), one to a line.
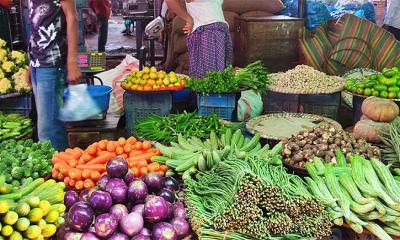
(209, 41)
(102, 8)
(53, 55)
(392, 18)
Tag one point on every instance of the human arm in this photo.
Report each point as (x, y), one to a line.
(74, 73)
(174, 6)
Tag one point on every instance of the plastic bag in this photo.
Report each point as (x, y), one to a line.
(79, 105)
(250, 105)
(317, 14)
(365, 10)
(291, 8)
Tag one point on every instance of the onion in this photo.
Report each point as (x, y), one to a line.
(70, 198)
(155, 209)
(118, 190)
(137, 191)
(138, 208)
(132, 224)
(117, 167)
(102, 182)
(106, 224)
(80, 217)
(119, 211)
(153, 181)
(164, 231)
(100, 201)
(181, 226)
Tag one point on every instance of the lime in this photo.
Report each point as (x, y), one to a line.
(375, 93)
(373, 77)
(392, 95)
(384, 94)
(367, 92)
(360, 91)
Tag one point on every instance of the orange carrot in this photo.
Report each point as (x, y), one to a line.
(91, 150)
(64, 156)
(95, 175)
(95, 167)
(127, 148)
(135, 153)
(153, 166)
(64, 169)
(66, 180)
(86, 173)
(138, 146)
(86, 157)
(102, 159)
(88, 183)
(57, 159)
(71, 183)
(111, 146)
(160, 172)
(141, 163)
(54, 173)
(79, 185)
(75, 174)
(132, 140)
(146, 145)
(60, 176)
(73, 162)
(124, 156)
(121, 141)
(119, 150)
(164, 168)
(143, 171)
(103, 144)
(144, 156)
(135, 171)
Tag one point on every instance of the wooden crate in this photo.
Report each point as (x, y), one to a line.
(274, 40)
(82, 134)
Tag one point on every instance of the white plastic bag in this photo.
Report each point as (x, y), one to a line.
(250, 105)
(79, 105)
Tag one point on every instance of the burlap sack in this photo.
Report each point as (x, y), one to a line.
(230, 18)
(243, 6)
(257, 14)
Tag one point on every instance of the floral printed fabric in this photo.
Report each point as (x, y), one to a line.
(48, 43)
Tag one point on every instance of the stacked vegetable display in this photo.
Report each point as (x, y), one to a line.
(34, 211)
(362, 194)
(250, 199)
(166, 129)
(254, 77)
(384, 85)
(150, 79)
(22, 161)
(123, 207)
(13, 71)
(14, 126)
(81, 169)
(189, 156)
(324, 141)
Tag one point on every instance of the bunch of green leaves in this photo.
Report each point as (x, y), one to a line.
(166, 129)
(25, 159)
(254, 77)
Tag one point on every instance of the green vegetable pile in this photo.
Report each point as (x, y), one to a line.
(14, 126)
(390, 137)
(251, 199)
(166, 129)
(254, 77)
(384, 85)
(189, 156)
(24, 159)
(364, 194)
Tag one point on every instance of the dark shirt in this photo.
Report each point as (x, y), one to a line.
(101, 8)
(48, 41)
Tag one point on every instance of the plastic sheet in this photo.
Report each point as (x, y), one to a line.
(362, 9)
(317, 13)
(79, 105)
(291, 8)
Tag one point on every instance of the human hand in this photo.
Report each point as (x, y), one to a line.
(74, 73)
(188, 28)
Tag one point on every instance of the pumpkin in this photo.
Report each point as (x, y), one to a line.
(380, 109)
(369, 130)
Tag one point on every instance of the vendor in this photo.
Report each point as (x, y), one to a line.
(392, 18)
(209, 41)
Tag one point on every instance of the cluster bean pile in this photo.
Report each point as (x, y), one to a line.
(254, 199)
(166, 129)
(324, 141)
(390, 136)
(305, 79)
(362, 193)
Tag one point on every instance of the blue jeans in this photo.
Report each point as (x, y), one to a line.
(48, 87)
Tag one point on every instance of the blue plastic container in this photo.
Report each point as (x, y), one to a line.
(141, 105)
(180, 96)
(20, 104)
(223, 105)
(100, 95)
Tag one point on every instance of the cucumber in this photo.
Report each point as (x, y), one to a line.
(387, 179)
(252, 143)
(347, 182)
(377, 231)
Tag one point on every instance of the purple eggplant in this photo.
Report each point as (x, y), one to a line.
(153, 181)
(73, 236)
(119, 236)
(167, 194)
(80, 217)
(138, 208)
(171, 183)
(118, 190)
(117, 167)
(89, 236)
(100, 201)
(155, 209)
(181, 227)
(129, 177)
(119, 211)
(132, 224)
(70, 198)
(141, 237)
(106, 224)
(102, 182)
(137, 191)
(164, 231)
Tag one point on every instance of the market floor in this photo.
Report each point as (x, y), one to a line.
(116, 40)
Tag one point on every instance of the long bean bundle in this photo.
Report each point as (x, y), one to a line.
(391, 138)
(253, 200)
(212, 234)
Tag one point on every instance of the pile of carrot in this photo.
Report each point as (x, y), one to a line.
(80, 169)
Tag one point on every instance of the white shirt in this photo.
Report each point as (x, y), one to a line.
(164, 9)
(392, 17)
(205, 12)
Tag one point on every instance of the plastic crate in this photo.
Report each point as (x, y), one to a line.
(141, 105)
(326, 105)
(275, 102)
(21, 104)
(223, 105)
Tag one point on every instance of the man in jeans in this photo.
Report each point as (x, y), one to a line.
(102, 8)
(392, 18)
(53, 57)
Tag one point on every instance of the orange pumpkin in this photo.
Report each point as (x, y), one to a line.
(369, 130)
(380, 109)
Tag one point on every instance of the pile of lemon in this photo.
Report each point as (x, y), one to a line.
(150, 79)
